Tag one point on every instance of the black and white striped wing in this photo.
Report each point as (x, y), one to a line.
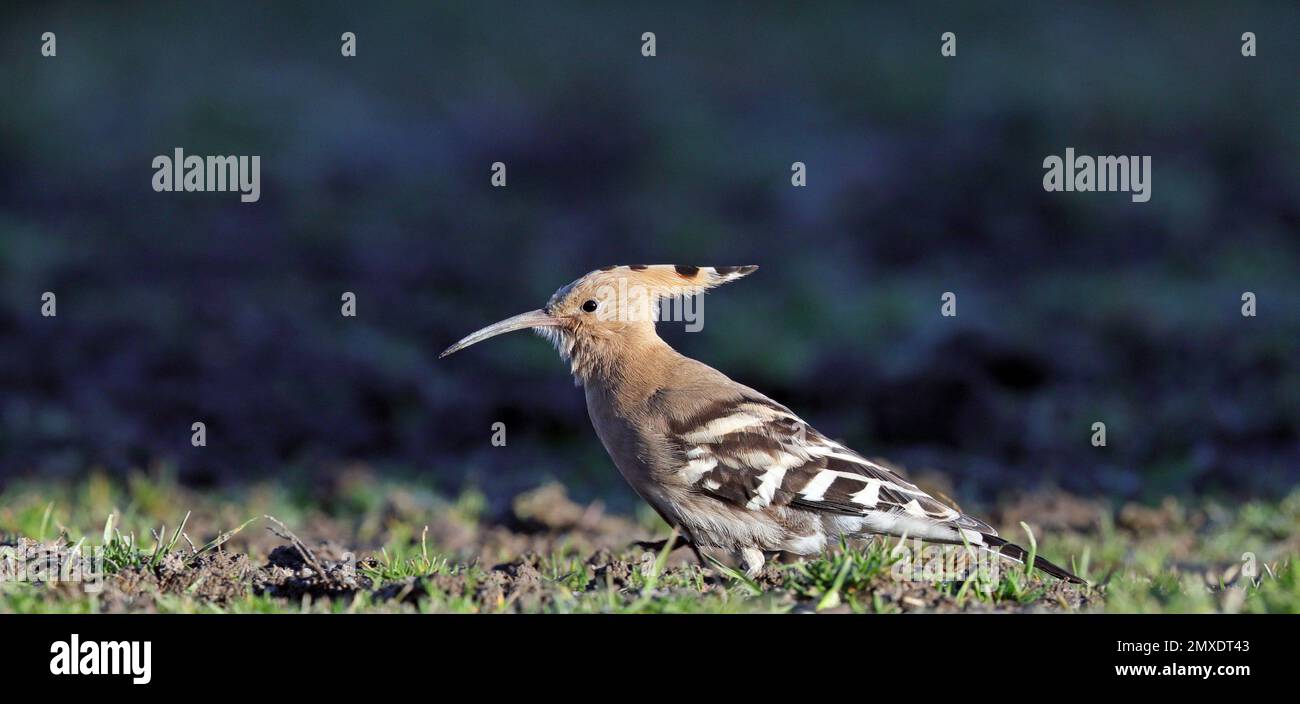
(755, 453)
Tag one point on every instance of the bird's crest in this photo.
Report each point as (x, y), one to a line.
(678, 279)
(654, 281)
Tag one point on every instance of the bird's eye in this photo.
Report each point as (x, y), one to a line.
(590, 306)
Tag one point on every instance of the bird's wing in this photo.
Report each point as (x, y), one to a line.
(756, 453)
(750, 451)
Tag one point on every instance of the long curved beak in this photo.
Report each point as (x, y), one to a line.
(532, 319)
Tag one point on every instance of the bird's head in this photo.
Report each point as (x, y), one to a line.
(595, 319)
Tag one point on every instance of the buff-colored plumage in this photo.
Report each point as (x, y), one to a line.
(733, 470)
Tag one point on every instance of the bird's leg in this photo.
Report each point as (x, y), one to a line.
(753, 560)
(657, 545)
(699, 557)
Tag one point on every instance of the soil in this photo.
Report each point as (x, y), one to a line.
(508, 556)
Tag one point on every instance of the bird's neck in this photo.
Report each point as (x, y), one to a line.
(629, 369)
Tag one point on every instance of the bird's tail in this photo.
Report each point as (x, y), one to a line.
(1017, 553)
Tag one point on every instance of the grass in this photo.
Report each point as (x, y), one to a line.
(375, 545)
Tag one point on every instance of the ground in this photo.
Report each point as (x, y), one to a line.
(365, 543)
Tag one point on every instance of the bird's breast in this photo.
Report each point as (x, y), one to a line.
(638, 452)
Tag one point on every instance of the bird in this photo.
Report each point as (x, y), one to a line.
(733, 471)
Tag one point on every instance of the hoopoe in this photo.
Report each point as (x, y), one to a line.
(730, 468)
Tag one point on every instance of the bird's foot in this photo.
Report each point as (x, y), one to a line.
(753, 559)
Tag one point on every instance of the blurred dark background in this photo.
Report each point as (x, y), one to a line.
(924, 176)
